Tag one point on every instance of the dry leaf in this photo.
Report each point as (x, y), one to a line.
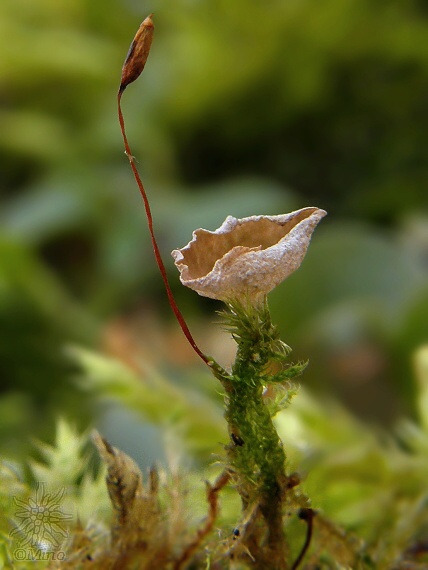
(139, 531)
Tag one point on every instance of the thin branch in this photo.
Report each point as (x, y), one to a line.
(212, 496)
(307, 515)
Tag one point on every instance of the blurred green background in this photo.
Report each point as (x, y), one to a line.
(244, 108)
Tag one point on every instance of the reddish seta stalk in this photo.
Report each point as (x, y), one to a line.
(133, 66)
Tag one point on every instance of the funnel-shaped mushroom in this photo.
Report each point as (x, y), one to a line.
(244, 259)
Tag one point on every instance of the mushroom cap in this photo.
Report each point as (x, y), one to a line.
(244, 259)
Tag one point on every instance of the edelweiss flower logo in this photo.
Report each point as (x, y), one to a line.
(40, 521)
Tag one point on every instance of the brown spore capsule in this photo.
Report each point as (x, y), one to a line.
(138, 53)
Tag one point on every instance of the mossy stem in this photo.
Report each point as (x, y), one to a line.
(256, 454)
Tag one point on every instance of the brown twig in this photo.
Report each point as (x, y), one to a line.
(212, 494)
(307, 515)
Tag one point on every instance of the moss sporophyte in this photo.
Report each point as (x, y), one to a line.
(239, 264)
